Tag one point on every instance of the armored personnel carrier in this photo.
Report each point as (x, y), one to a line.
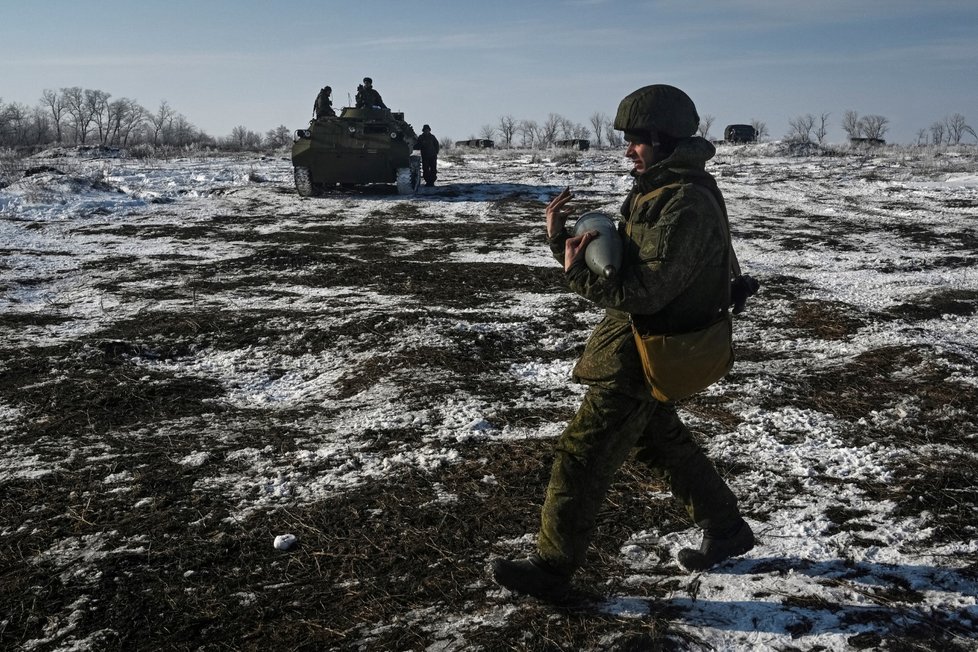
(359, 146)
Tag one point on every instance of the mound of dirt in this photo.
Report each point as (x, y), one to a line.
(80, 151)
(45, 182)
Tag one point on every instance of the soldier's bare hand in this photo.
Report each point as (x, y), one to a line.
(557, 212)
(574, 248)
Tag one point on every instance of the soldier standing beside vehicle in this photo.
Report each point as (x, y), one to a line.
(675, 278)
(368, 97)
(429, 147)
(323, 107)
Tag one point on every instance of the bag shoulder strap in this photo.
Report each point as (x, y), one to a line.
(640, 200)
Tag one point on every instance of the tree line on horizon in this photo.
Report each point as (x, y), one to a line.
(952, 130)
(949, 131)
(82, 117)
(77, 116)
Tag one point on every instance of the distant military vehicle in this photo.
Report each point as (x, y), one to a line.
(871, 142)
(739, 134)
(476, 142)
(582, 144)
(357, 147)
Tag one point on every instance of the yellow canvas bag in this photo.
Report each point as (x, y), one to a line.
(678, 366)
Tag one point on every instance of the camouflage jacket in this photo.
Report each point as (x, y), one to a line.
(369, 97)
(675, 274)
(428, 145)
(323, 106)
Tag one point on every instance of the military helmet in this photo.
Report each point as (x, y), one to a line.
(426, 128)
(367, 80)
(659, 107)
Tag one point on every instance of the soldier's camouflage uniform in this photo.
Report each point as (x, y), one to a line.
(428, 144)
(675, 277)
(323, 106)
(369, 97)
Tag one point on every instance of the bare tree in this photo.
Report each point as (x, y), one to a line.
(238, 137)
(921, 137)
(5, 122)
(800, 127)
(9, 119)
(957, 127)
(160, 121)
(21, 122)
(23, 125)
(254, 140)
(134, 120)
(54, 101)
(17, 125)
(97, 106)
(126, 116)
(822, 129)
(598, 121)
(937, 133)
(507, 129)
(874, 126)
(40, 126)
(565, 128)
(760, 129)
(528, 132)
(548, 131)
(706, 122)
(280, 136)
(488, 132)
(180, 132)
(116, 112)
(74, 99)
(242, 138)
(851, 124)
(570, 129)
(20, 115)
(613, 136)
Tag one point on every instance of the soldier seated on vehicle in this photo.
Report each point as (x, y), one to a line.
(323, 106)
(368, 97)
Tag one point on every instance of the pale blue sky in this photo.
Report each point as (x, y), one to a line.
(458, 65)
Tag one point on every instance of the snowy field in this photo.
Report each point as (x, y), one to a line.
(195, 361)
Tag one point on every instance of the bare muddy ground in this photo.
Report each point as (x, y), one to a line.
(183, 380)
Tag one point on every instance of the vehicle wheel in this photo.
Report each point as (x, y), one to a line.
(415, 173)
(303, 183)
(404, 182)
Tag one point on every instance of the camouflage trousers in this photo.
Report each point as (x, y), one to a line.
(429, 168)
(596, 442)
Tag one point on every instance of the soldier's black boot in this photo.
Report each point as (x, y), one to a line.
(718, 546)
(532, 576)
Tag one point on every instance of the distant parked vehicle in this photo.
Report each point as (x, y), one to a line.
(740, 134)
(582, 144)
(483, 143)
(870, 142)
